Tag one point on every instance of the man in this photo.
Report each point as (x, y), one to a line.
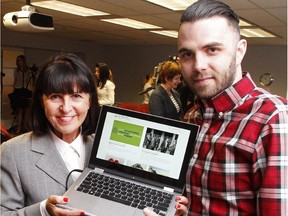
(240, 162)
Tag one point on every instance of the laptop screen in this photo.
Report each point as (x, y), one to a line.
(142, 144)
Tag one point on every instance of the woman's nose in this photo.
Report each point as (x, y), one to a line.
(66, 105)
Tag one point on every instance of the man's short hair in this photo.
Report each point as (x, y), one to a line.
(210, 8)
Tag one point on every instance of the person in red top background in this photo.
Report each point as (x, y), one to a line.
(240, 162)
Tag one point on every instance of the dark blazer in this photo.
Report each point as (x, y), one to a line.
(160, 104)
(32, 170)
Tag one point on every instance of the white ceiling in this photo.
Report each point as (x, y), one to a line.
(271, 15)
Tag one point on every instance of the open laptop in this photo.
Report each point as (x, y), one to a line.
(152, 153)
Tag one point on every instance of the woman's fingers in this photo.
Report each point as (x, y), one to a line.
(58, 211)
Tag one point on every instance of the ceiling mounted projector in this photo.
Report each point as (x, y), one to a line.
(28, 20)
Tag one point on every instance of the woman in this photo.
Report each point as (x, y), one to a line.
(35, 165)
(148, 87)
(165, 100)
(106, 87)
(97, 71)
(20, 96)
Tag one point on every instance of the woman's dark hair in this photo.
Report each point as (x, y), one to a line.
(210, 8)
(60, 75)
(104, 73)
(98, 64)
(147, 77)
(168, 70)
(23, 59)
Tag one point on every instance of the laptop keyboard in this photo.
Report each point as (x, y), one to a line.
(125, 192)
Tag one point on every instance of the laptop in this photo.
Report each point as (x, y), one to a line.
(146, 154)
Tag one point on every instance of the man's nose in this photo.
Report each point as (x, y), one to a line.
(200, 62)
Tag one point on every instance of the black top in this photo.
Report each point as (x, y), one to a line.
(160, 104)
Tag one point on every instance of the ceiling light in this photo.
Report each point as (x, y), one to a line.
(244, 23)
(175, 5)
(69, 8)
(169, 33)
(131, 23)
(255, 32)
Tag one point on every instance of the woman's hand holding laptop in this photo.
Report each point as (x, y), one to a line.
(54, 210)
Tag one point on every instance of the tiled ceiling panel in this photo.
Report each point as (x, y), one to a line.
(271, 15)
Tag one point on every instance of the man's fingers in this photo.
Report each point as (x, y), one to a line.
(148, 212)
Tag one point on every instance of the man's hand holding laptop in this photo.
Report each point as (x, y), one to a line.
(181, 208)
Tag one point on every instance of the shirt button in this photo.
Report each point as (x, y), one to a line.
(195, 156)
(220, 114)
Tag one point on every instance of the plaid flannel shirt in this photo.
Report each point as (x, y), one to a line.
(240, 162)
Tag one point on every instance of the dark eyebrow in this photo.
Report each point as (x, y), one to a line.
(184, 50)
(213, 44)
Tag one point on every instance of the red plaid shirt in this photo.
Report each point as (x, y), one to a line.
(240, 161)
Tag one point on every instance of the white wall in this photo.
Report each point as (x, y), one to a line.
(268, 59)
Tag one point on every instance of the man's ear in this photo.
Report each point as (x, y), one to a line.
(240, 51)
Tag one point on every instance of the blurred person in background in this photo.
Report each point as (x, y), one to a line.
(21, 97)
(165, 100)
(105, 86)
(148, 87)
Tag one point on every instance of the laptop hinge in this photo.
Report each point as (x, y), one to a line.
(171, 190)
(98, 170)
